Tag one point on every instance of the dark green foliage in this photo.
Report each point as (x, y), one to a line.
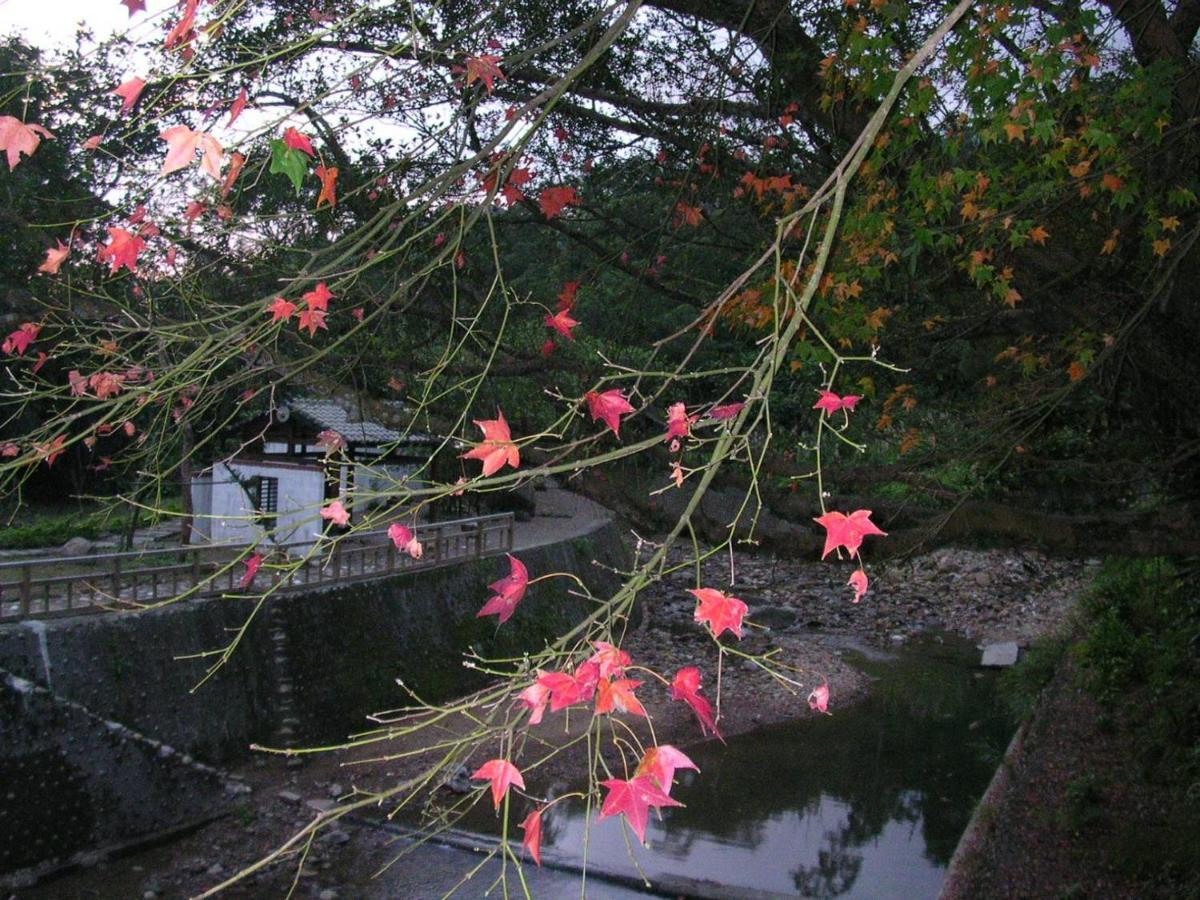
(1142, 654)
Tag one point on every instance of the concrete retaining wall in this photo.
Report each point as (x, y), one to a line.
(72, 782)
(313, 665)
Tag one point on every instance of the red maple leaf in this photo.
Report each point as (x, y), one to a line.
(507, 592)
(608, 406)
(195, 209)
(660, 764)
(122, 249)
(129, 93)
(819, 699)
(686, 687)
(237, 107)
(532, 826)
(616, 695)
(311, 319)
(253, 564)
(721, 611)
(18, 341)
(555, 199)
(318, 298)
(18, 139)
(847, 531)
(295, 140)
(134, 6)
(497, 448)
(633, 799)
(562, 322)
(336, 513)
(501, 773)
(281, 310)
(858, 581)
(55, 257)
(328, 178)
(485, 68)
(182, 145)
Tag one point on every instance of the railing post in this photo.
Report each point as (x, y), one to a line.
(479, 533)
(116, 577)
(26, 588)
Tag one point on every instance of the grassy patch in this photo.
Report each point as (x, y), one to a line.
(1021, 684)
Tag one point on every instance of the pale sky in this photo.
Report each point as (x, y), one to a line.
(43, 28)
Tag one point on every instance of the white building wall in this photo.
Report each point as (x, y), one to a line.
(231, 514)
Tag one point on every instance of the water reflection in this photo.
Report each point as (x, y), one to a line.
(867, 803)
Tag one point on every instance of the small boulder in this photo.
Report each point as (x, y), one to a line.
(1000, 655)
(76, 546)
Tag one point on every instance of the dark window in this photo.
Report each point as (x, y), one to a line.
(264, 492)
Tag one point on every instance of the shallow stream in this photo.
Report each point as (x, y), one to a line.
(868, 802)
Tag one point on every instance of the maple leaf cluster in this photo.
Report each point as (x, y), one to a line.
(311, 317)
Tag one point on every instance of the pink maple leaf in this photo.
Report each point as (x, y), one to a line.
(129, 92)
(679, 423)
(182, 145)
(336, 513)
(562, 322)
(728, 411)
(616, 695)
(18, 341)
(122, 249)
(633, 799)
(847, 531)
(497, 448)
(720, 611)
(858, 581)
(829, 402)
(18, 139)
(281, 310)
(55, 257)
(507, 592)
(819, 699)
(253, 564)
(686, 687)
(404, 539)
(608, 406)
(532, 826)
(661, 762)
(502, 774)
(318, 297)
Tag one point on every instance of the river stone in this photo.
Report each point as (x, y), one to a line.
(1000, 655)
(76, 546)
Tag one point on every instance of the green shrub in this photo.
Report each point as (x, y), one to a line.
(1021, 684)
(1141, 657)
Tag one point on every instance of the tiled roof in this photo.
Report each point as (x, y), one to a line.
(328, 414)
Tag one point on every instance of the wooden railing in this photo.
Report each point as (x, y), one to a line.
(67, 586)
